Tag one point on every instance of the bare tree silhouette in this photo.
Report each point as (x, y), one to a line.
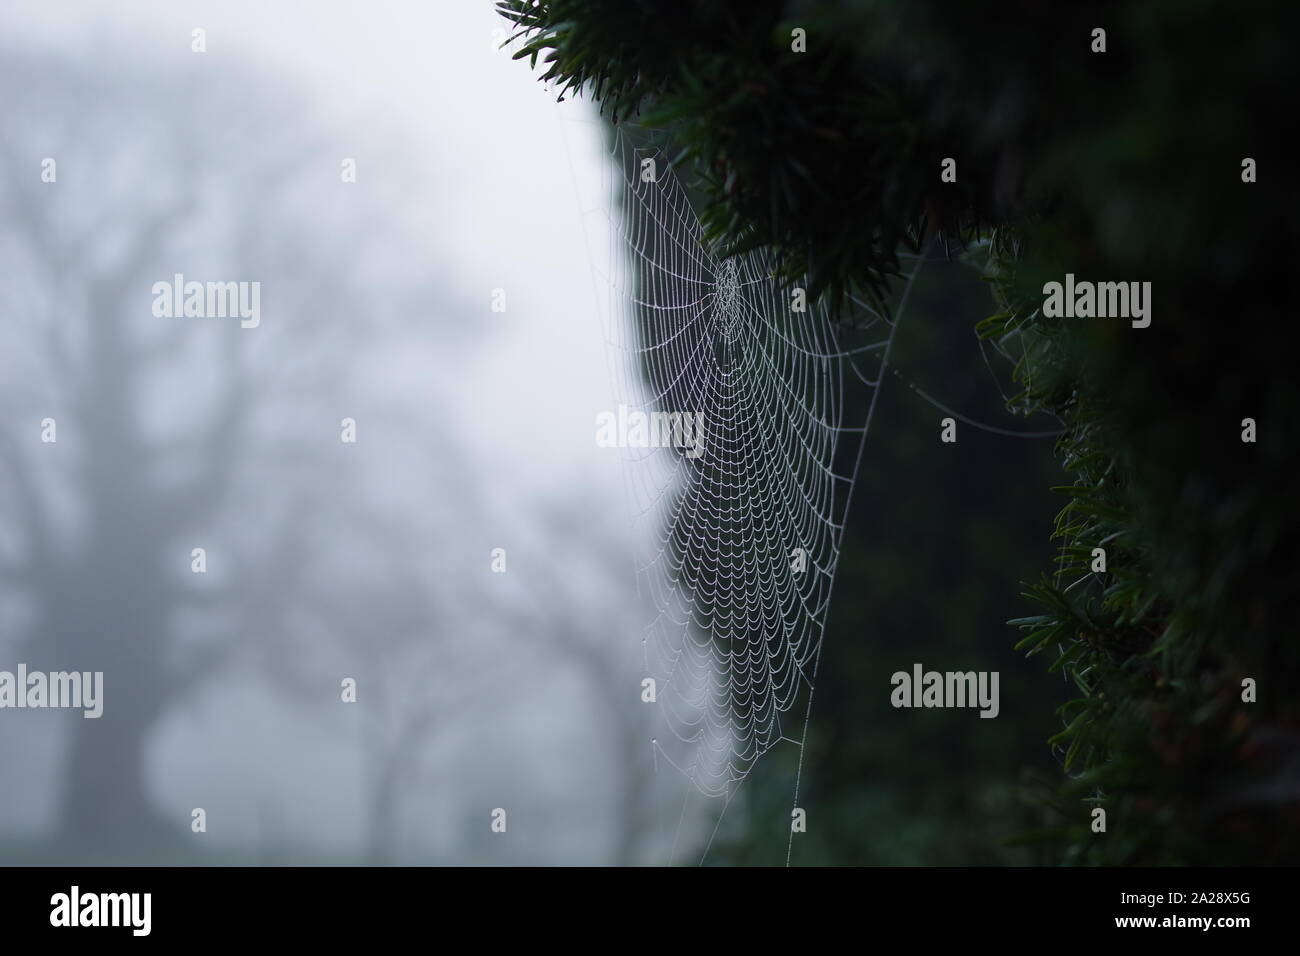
(173, 433)
(576, 603)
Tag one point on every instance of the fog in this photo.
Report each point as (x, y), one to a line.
(243, 524)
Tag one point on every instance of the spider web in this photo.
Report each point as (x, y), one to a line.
(741, 530)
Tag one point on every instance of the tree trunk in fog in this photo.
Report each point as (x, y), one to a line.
(394, 762)
(110, 611)
(625, 717)
(104, 805)
(382, 814)
(108, 599)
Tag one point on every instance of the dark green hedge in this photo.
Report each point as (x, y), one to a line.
(1123, 165)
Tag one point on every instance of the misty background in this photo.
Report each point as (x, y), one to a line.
(325, 560)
